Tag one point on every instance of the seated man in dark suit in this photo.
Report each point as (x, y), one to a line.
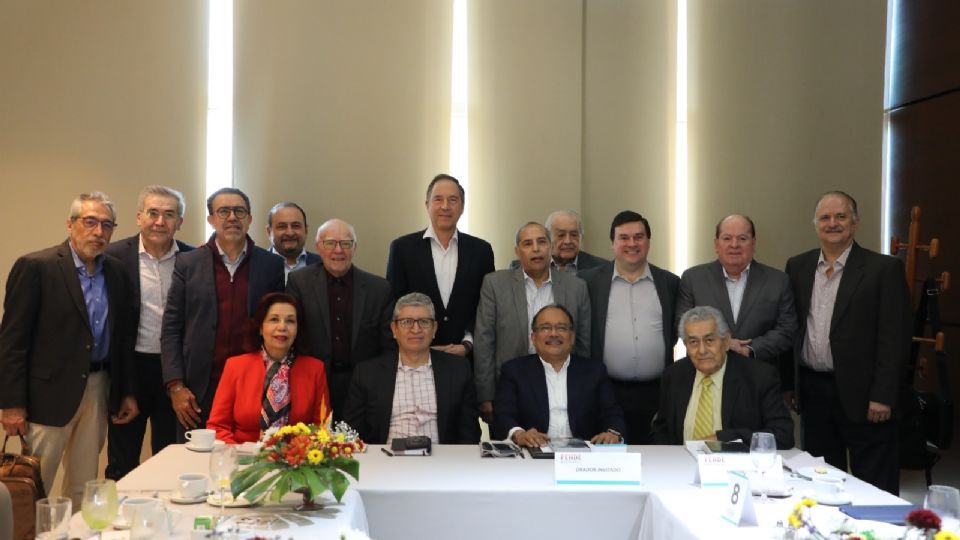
(717, 394)
(553, 395)
(418, 392)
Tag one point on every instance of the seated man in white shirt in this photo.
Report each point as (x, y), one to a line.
(553, 395)
(416, 392)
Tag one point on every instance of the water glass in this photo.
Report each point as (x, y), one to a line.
(99, 506)
(763, 453)
(53, 518)
(945, 501)
(223, 463)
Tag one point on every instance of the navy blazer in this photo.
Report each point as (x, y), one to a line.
(369, 404)
(410, 269)
(752, 401)
(522, 398)
(598, 285)
(46, 339)
(190, 319)
(128, 251)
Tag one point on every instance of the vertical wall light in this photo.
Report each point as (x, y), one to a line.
(219, 96)
(888, 83)
(681, 168)
(459, 162)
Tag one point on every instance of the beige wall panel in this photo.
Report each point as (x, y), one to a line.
(343, 107)
(525, 66)
(99, 94)
(786, 102)
(629, 119)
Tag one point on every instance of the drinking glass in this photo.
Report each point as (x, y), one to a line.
(99, 506)
(945, 501)
(53, 518)
(223, 463)
(763, 453)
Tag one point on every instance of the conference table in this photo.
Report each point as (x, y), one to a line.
(457, 494)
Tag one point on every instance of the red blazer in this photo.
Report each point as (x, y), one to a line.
(235, 414)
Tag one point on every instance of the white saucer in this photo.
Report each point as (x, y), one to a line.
(825, 472)
(190, 446)
(835, 500)
(120, 524)
(177, 499)
(241, 502)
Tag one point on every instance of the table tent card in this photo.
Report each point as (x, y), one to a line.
(597, 469)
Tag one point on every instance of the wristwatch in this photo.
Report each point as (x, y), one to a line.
(617, 433)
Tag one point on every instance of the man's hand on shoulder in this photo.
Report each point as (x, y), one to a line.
(15, 421)
(739, 346)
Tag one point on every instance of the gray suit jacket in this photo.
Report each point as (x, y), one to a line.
(372, 312)
(767, 315)
(502, 331)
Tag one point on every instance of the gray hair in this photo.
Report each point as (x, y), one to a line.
(162, 191)
(414, 299)
(703, 313)
(851, 202)
(326, 225)
(97, 196)
(527, 224)
(548, 223)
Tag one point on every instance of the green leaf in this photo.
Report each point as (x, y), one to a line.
(246, 460)
(254, 492)
(338, 485)
(348, 465)
(242, 480)
(315, 482)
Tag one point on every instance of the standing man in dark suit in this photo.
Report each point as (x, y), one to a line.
(416, 392)
(716, 394)
(287, 232)
(346, 311)
(508, 301)
(633, 331)
(755, 299)
(148, 259)
(566, 231)
(445, 264)
(851, 353)
(552, 394)
(214, 291)
(66, 350)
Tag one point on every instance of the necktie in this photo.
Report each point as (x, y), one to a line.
(703, 424)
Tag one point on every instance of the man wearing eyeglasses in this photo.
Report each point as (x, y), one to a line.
(715, 393)
(418, 392)
(287, 232)
(347, 311)
(148, 258)
(66, 351)
(553, 395)
(215, 289)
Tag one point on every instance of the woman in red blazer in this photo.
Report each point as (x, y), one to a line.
(246, 403)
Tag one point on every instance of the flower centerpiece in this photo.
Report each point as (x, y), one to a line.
(920, 525)
(306, 459)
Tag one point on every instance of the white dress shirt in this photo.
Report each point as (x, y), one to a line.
(155, 278)
(559, 427)
(537, 299)
(816, 352)
(735, 288)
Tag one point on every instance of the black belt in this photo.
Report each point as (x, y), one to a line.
(821, 374)
(99, 366)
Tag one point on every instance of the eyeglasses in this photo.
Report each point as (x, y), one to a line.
(332, 244)
(548, 328)
(91, 223)
(224, 212)
(424, 324)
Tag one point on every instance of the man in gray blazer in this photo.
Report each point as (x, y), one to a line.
(346, 311)
(508, 301)
(754, 298)
(566, 232)
(215, 289)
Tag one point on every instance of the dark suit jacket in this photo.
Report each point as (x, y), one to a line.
(128, 251)
(370, 399)
(751, 402)
(598, 285)
(372, 313)
(522, 398)
(410, 268)
(870, 330)
(190, 319)
(46, 340)
(585, 261)
(767, 314)
(313, 258)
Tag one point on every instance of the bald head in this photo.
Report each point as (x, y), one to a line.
(336, 244)
(735, 243)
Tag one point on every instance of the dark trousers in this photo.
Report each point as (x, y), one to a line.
(124, 441)
(826, 431)
(639, 401)
(337, 385)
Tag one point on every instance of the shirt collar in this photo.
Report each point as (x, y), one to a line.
(243, 252)
(573, 263)
(82, 267)
(528, 279)
(548, 365)
(174, 249)
(717, 377)
(432, 234)
(645, 275)
(743, 275)
(346, 279)
(841, 260)
(300, 258)
(401, 367)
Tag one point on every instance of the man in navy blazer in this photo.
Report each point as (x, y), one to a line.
(148, 258)
(214, 291)
(287, 231)
(553, 395)
(444, 264)
(749, 391)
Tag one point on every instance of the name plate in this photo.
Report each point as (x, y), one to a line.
(738, 507)
(600, 469)
(712, 469)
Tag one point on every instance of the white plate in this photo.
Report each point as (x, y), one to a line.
(190, 446)
(775, 491)
(837, 499)
(214, 500)
(176, 498)
(825, 472)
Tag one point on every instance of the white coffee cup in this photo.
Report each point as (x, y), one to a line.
(135, 508)
(201, 438)
(829, 488)
(192, 485)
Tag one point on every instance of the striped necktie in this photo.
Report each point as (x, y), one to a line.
(703, 424)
